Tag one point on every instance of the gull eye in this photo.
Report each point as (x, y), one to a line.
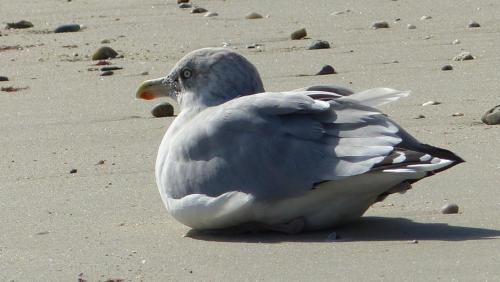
(186, 73)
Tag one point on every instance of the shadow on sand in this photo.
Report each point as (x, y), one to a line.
(365, 229)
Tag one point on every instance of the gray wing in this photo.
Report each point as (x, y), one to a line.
(280, 144)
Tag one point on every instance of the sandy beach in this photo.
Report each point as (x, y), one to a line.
(106, 220)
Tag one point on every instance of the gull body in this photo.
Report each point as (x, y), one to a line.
(306, 159)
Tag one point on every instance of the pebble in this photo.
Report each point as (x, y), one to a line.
(449, 209)
(431, 103)
(105, 41)
(182, 1)
(382, 24)
(326, 69)
(104, 53)
(20, 24)
(298, 34)
(185, 5)
(414, 242)
(457, 115)
(425, 18)
(492, 116)
(107, 73)
(67, 28)
(411, 26)
(4, 78)
(419, 117)
(446, 67)
(464, 56)
(253, 46)
(318, 44)
(253, 15)
(455, 42)
(74, 170)
(163, 110)
(473, 24)
(145, 73)
(199, 10)
(111, 68)
(211, 14)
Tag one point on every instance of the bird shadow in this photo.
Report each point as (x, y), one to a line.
(365, 229)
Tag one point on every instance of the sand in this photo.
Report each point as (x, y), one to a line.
(107, 221)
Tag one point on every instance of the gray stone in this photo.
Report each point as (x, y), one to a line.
(473, 24)
(20, 24)
(253, 15)
(4, 78)
(326, 69)
(411, 26)
(199, 10)
(381, 24)
(446, 67)
(163, 110)
(104, 53)
(464, 56)
(67, 28)
(492, 116)
(107, 73)
(298, 34)
(185, 5)
(318, 44)
(449, 209)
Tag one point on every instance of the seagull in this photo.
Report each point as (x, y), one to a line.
(308, 159)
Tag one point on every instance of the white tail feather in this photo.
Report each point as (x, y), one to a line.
(376, 96)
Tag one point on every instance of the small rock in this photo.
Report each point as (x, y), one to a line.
(473, 24)
(425, 18)
(464, 56)
(492, 116)
(446, 67)
(105, 41)
(326, 69)
(74, 170)
(163, 110)
(431, 103)
(101, 162)
(414, 242)
(111, 68)
(20, 24)
(377, 25)
(253, 46)
(457, 115)
(145, 73)
(318, 44)
(4, 78)
(455, 42)
(211, 14)
(182, 1)
(104, 53)
(199, 10)
(67, 28)
(411, 26)
(185, 5)
(107, 73)
(298, 34)
(253, 15)
(419, 117)
(449, 209)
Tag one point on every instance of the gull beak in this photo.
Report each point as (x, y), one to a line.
(155, 88)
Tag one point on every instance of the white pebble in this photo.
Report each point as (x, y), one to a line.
(430, 103)
(411, 26)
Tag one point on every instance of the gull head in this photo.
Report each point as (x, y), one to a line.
(204, 78)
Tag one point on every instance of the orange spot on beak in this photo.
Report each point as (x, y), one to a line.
(146, 95)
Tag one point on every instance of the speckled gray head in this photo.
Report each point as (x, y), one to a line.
(205, 77)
